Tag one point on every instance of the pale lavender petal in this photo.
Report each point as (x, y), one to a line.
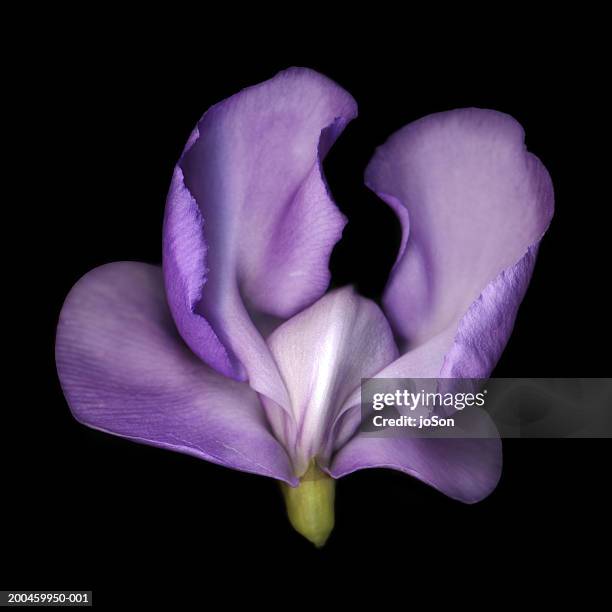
(464, 469)
(125, 370)
(322, 353)
(249, 222)
(484, 330)
(475, 206)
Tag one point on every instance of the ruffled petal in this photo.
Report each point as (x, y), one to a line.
(322, 353)
(476, 206)
(125, 370)
(249, 221)
(473, 205)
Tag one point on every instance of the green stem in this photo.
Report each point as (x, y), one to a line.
(310, 505)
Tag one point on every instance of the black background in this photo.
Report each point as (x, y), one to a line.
(84, 510)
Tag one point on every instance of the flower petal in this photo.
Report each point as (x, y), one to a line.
(477, 204)
(249, 222)
(473, 204)
(125, 370)
(464, 469)
(322, 353)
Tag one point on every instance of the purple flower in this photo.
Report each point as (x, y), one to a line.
(234, 353)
